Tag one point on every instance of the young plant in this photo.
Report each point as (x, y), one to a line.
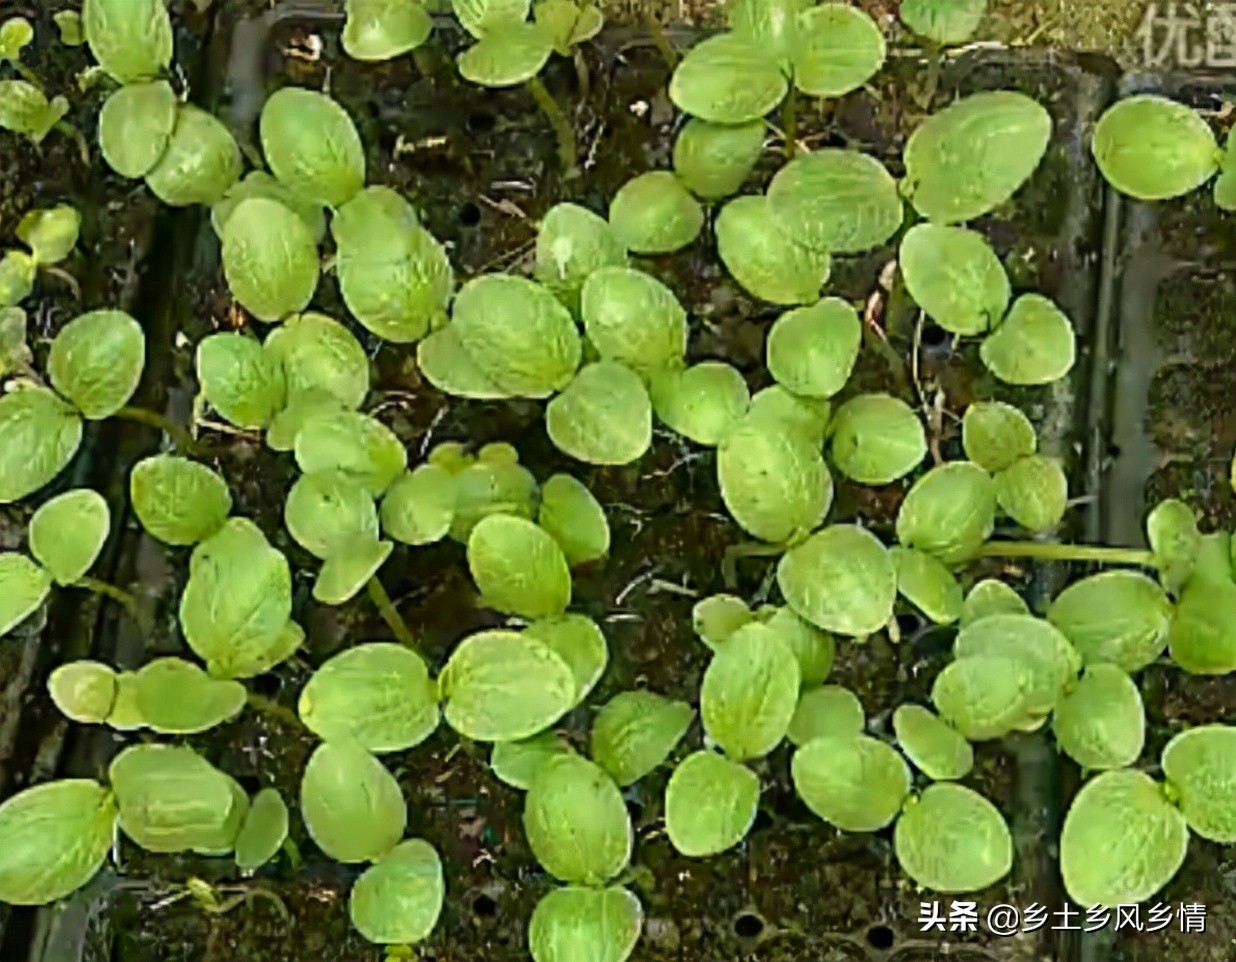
(375, 30)
(50, 235)
(939, 24)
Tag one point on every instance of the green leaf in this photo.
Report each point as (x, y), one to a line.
(354, 443)
(840, 48)
(710, 804)
(992, 597)
(1122, 840)
(178, 501)
(516, 763)
(925, 581)
(67, 534)
(604, 416)
(1101, 723)
(727, 79)
(201, 162)
(948, 512)
(518, 334)
(479, 17)
(55, 837)
(384, 29)
(572, 923)
(654, 213)
(1034, 492)
(773, 482)
(312, 146)
(632, 318)
(635, 732)
(974, 155)
(812, 350)
(506, 57)
(175, 697)
(240, 380)
(575, 519)
(571, 243)
(853, 782)
(83, 691)
(984, 696)
(96, 362)
(16, 34)
(15, 353)
(419, 507)
(1153, 148)
(935, 747)
(258, 183)
(749, 691)
(836, 201)
(814, 649)
(995, 435)
(518, 567)
(717, 617)
(578, 641)
(172, 800)
(485, 489)
(1200, 767)
(771, 26)
(503, 686)
(1034, 642)
(318, 355)
(135, 126)
(131, 39)
(124, 716)
(327, 511)
(351, 804)
(270, 259)
(24, 110)
(558, 18)
(576, 821)
(714, 160)
(263, 831)
(393, 274)
(755, 249)
(349, 569)
(701, 402)
(24, 588)
(951, 839)
(1118, 617)
(841, 579)
(826, 711)
(234, 610)
(945, 22)
(17, 273)
(447, 366)
(398, 899)
(1034, 345)
(876, 439)
(1201, 636)
(955, 277)
(39, 434)
(1175, 541)
(379, 694)
(50, 234)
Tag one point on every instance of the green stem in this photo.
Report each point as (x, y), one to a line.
(75, 135)
(789, 120)
(660, 40)
(27, 74)
(118, 595)
(269, 706)
(932, 82)
(747, 549)
(1051, 551)
(567, 153)
(181, 438)
(386, 608)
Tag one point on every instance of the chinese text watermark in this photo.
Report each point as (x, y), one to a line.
(1006, 920)
(1197, 34)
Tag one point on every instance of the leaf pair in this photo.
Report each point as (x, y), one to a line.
(511, 50)
(50, 236)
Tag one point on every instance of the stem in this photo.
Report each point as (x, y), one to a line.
(271, 707)
(747, 549)
(932, 82)
(75, 135)
(386, 608)
(118, 595)
(789, 120)
(27, 74)
(567, 153)
(660, 40)
(1051, 551)
(181, 438)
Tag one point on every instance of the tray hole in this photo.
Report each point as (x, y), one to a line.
(250, 783)
(762, 821)
(748, 925)
(635, 809)
(484, 906)
(908, 624)
(268, 685)
(934, 335)
(881, 937)
(469, 214)
(481, 122)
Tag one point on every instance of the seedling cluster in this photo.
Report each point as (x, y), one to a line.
(598, 338)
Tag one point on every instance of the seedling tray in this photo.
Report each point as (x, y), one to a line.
(479, 165)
